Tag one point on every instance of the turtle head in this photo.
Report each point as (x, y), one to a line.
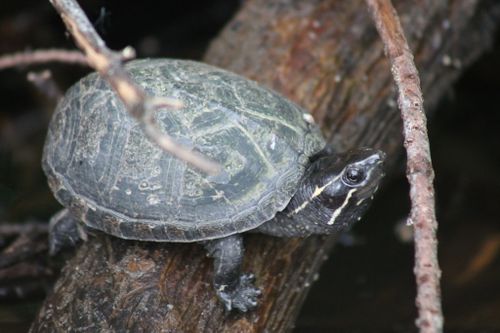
(336, 190)
(354, 177)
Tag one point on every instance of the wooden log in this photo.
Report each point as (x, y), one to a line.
(326, 56)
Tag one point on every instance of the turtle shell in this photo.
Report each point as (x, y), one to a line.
(103, 168)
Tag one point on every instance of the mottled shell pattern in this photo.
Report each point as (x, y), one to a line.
(102, 167)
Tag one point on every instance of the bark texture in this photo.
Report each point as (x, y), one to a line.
(325, 55)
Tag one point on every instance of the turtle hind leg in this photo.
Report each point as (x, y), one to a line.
(64, 231)
(235, 290)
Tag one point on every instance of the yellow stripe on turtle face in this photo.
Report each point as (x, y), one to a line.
(337, 211)
(316, 193)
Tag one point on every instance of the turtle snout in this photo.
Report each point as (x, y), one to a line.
(376, 158)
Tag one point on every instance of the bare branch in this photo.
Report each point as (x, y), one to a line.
(109, 66)
(22, 273)
(45, 84)
(419, 166)
(22, 248)
(14, 229)
(42, 57)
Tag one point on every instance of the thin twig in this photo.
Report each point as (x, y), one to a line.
(13, 229)
(42, 57)
(24, 270)
(44, 82)
(419, 166)
(23, 247)
(109, 66)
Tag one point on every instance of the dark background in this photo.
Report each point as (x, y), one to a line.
(367, 286)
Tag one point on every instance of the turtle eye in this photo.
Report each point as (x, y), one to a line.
(353, 176)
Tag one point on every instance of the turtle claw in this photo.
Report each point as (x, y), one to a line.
(243, 297)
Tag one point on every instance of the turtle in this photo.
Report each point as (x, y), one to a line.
(278, 176)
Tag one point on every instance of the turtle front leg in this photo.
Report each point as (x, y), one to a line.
(64, 231)
(234, 289)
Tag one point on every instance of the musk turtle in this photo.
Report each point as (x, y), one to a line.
(277, 176)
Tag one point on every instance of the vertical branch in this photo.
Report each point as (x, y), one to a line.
(419, 166)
